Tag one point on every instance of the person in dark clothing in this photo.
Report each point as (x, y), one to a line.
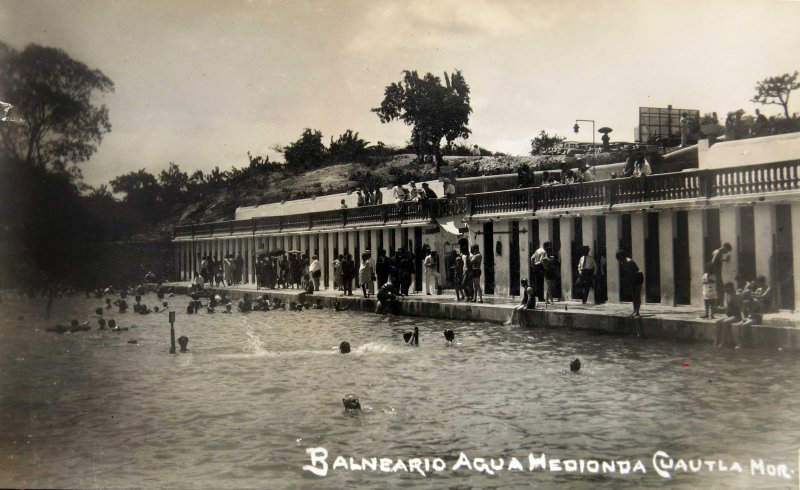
(382, 267)
(429, 193)
(348, 273)
(635, 277)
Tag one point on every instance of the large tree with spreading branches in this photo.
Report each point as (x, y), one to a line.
(776, 90)
(435, 110)
(58, 123)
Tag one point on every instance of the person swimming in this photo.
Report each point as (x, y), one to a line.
(575, 365)
(412, 338)
(344, 347)
(317, 305)
(351, 403)
(449, 336)
(227, 308)
(102, 323)
(338, 307)
(183, 341)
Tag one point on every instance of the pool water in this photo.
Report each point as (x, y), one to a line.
(90, 410)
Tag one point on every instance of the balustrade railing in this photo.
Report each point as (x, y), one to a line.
(696, 184)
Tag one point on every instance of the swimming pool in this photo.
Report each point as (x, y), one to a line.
(258, 390)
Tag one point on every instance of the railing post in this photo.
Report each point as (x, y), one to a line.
(384, 214)
(469, 204)
(532, 200)
(280, 223)
(310, 220)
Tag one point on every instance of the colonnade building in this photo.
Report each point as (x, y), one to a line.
(746, 193)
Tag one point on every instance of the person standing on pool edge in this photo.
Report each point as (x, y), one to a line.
(635, 277)
(475, 261)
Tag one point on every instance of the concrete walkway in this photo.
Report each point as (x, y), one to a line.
(780, 330)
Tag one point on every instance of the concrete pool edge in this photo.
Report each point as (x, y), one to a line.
(655, 326)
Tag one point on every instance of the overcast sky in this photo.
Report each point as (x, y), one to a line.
(201, 83)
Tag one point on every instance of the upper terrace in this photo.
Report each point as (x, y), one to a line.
(770, 178)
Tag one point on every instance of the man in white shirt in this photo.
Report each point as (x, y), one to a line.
(316, 271)
(449, 189)
(538, 270)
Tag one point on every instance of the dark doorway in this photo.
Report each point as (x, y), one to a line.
(652, 273)
(575, 253)
(488, 258)
(747, 246)
(555, 228)
(680, 259)
(599, 251)
(625, 246)
(533, 244)
(391, 241)
(463, 246)
(712, 238)
(783, 263)
(513, 259)
(418, 258)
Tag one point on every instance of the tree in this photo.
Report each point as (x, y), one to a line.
(348, 148)
(307, 153)
(434, 110)
(142, 192)
(776, 90)
(52, 93)
(544, 142)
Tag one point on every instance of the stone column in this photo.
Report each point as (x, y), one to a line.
(398, 238)
(340, 242)
(766, 227)
(331, 239)
(502, 263)
(638, 223)
(730, 223)
(545, 229)
(386, 244)
(613, 225)
(796, 256)
(567, 235)
(666, 236)
(525, 252)
(247, 273)
(697, 262)
(373, 239)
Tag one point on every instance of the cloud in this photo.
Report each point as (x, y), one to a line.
(442, 24)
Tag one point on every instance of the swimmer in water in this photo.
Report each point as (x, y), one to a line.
(344, 347)
(108, 303)
(575, 365)
(227, 308)
(351, 403)
(412, 338)
(102, 322)
(183, 341)
(338, 307)
(317, 305)
(449, 336)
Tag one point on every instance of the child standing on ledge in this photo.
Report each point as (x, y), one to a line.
(709, 282)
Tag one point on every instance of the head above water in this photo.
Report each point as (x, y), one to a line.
(183, 341)
(351, 403)
(449, 335)
(575, 365)
(344, 347)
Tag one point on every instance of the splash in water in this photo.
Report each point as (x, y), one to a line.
(254, 345)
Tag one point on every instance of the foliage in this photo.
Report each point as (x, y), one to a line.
(347, 148)
(545, 142)
(307, 153)
(434, 110)
(52, 93)
(776, 90)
